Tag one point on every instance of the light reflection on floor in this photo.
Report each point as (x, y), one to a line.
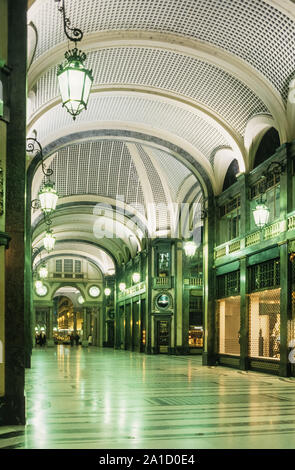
(104, 399)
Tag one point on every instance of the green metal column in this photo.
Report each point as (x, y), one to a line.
(209, 354)
(244, 305)
(285, 273)
(149, 299)
(12, 407)
(285, 308)
(244, 315)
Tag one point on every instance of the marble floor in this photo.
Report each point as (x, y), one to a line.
(105, 399)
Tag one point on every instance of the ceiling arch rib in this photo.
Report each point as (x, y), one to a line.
(236, 27)
(103, 231)
(94, 253)
(206, 84)
(99, 168)
(48, 256)
(189, 125)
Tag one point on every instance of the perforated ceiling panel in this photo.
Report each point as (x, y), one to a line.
(251, 29)
(174, 171)
(102, 168)
(156, 114)
(190, 77)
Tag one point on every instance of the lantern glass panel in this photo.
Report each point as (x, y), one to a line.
(261, 215)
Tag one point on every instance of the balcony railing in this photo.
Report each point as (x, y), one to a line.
(269, 232)
(193, 281)
(162, 282)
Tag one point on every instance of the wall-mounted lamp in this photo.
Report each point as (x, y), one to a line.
(49, 240)
(122, 286)
(190, 248)
(107, 292)
(47, 196)
(261, 212)
(136, 278)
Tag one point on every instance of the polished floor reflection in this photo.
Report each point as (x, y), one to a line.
(101, 398)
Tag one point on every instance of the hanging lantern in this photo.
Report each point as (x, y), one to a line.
(74, 82)
(49, 240)
(190, 248)
(107, 291)
(81, 299)
(261, 214)
(38, 284)
(48, 198)
(136, 278)
(43, 271)
(122, 286)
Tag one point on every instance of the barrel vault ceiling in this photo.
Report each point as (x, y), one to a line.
(181, 89)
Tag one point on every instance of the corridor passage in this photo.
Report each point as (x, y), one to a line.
(105, 399)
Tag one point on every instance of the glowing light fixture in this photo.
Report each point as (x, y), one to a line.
(43, 271)
(94, 291)
(38, 284)
(190, 249)
(42, 291)
(136, 278)
(73, 78)
(48, 198)
(49, 241)
(81, 300)
(74, 82)
(261, 214)
(122, 286)
(107, 291)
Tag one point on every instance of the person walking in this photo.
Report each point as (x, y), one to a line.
(77, 339)
(72, 339)
(42, 340)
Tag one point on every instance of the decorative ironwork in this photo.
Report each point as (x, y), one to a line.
(265, 275)
(228, 284)
(1, 190)
(264, 324)
(32, 143)
(73, 34)
(270, 178)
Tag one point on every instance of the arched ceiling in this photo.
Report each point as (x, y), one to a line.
(200, 74)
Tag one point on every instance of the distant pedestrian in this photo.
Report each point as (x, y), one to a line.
(42, 339)
(72, 339)
(77, 339)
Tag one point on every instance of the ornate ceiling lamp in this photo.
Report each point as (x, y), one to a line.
(47, 196)
(261, 214)
(74, 78)
(49, 240)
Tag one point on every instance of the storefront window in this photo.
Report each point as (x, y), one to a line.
(264, 324)
(195, 336)
(229, 325)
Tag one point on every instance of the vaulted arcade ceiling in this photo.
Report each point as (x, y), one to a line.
(181, 89)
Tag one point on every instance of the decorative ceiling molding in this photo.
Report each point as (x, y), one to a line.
(207, 53)
(178, 148)
(235, 26)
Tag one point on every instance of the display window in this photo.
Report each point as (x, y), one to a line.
(195, 336)
(264, 324)
(228, 313)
